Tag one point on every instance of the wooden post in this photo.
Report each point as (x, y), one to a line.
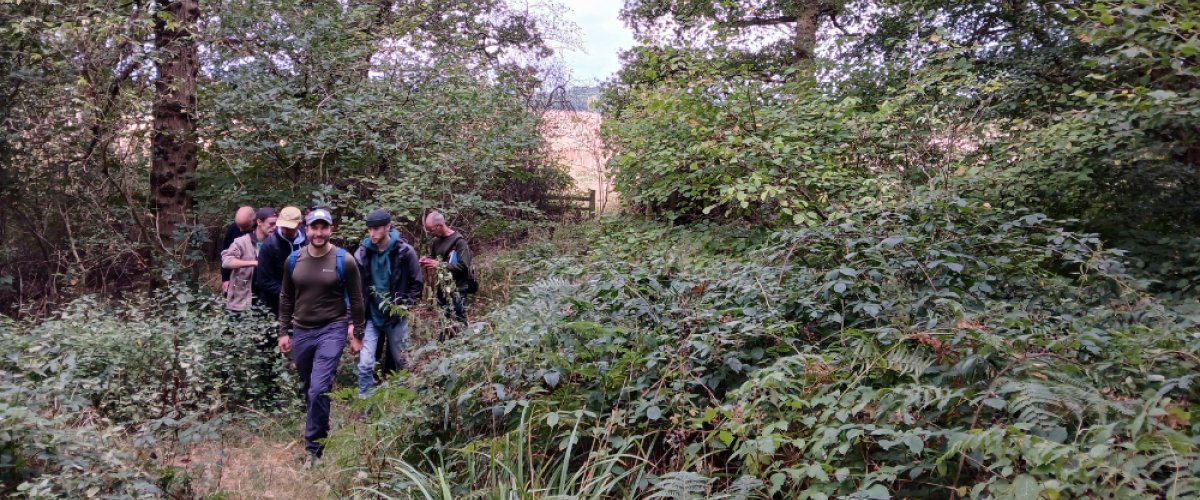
(592, 201)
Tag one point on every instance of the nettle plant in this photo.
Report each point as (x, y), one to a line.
(931, 348)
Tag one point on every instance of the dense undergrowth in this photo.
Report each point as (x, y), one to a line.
(935, 348)
(102, 398)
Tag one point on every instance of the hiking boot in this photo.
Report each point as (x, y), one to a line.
(312, 461)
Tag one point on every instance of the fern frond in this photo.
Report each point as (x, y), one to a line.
(906, 362)
(684, 485)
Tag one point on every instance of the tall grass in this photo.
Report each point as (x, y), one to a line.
(509, 467)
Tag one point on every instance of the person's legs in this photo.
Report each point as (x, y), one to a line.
(366, 360)
(304, 350)
(271, 303)
(330, 342)
(260, 322)
(452, 315)
(232, 318)
(397, 343)
(460, 309)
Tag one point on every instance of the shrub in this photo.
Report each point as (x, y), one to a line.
(82, 392)
(929, 348)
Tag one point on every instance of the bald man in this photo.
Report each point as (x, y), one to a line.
(449, 249)
(243, 223)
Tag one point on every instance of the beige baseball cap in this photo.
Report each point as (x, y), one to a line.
(290, 218)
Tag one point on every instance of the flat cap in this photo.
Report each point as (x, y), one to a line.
(379, 217)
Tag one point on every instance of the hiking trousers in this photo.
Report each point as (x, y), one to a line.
(316, 352)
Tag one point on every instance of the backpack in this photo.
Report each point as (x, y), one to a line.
(472, 285)
(340, 267)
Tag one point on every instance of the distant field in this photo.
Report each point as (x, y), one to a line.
(575, 141)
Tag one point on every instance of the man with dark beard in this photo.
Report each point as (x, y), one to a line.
(321, 295)
(391, 279)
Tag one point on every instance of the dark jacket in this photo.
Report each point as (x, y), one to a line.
(272, 260)
(405, 282)
(441, 248)
(232, 233)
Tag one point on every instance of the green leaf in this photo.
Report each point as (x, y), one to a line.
(552, 378)
(1025, 487)
(653, 413)
(914, 443)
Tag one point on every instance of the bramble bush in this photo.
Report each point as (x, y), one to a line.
(935, 347)
(97, 400)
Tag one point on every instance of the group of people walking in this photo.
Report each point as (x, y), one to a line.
(325, 297)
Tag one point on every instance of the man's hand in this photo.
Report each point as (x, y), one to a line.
(356, 345)
(285, 344)
(427, 262)
(224, 287)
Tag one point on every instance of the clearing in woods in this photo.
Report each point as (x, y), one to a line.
(262, 458)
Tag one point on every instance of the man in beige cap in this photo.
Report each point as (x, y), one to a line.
(288, 237)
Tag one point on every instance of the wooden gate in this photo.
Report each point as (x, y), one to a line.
(576, 203)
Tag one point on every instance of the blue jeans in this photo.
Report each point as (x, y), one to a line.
(316, 353)
(397, 344)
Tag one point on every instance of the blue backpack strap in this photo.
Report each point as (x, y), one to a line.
(341, 266)
(291, 265)
(292, 262)
(341, 274)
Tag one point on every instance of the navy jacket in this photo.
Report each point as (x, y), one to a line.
(272, 260)
(405, 281)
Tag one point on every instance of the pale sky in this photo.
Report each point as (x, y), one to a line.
(603, 35)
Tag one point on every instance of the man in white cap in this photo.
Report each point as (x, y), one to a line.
(322, 294)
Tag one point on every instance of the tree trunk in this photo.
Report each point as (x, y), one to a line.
(805, 39)
(173, 141)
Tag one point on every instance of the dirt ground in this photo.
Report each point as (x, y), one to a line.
(262, 456)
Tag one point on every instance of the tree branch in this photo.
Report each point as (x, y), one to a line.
(762, 21)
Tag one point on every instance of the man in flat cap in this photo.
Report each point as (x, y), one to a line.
(391, 278)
